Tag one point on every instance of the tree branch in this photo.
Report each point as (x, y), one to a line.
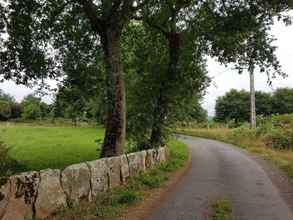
(91, 11)
(58, 11)
(158, 27)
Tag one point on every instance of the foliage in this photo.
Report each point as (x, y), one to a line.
(151, 88)
(242, 132)
(5, 110)
(66, 38)
(283, 101)
(279, 139)
(281, 133)
(235, 105)
(8, 165)
(31, 108)
(16, 110)
(6, 102)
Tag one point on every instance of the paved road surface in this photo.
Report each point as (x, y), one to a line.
(220, 171)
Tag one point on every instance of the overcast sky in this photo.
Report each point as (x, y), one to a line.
(224, 79)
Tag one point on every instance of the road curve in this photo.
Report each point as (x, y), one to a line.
(221, 171)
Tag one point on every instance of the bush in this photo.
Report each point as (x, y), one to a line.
(243, 131)
(277, 131)
(283, 121)
(280, 139)
(8, 166)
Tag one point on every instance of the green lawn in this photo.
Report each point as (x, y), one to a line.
(40, 147)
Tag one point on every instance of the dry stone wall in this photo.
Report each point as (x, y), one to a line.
(38, 195)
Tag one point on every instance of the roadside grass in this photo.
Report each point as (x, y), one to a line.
(221, 210)
(115, 202)
(38, 147)
(254, 144)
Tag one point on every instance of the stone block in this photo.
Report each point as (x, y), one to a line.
(136, 162)
(75, 181)
(23, 193)
(124, 169)
(99, 176)
(114, 171)
(51, 196)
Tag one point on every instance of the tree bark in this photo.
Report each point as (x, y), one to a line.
(252, 99)
(115, 94)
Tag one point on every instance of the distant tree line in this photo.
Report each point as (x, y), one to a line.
(79, 106)
(31, 108)
(235, 105)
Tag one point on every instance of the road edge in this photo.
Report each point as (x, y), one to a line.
(153, 198)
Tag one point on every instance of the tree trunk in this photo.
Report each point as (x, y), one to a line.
(116, 113)
(252, 99)
(164, 98)
(158, 120)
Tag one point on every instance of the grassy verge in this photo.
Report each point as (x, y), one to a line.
(249, 141)
(115, 202)
(221, 210)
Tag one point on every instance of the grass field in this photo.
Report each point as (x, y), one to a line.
(40, 147)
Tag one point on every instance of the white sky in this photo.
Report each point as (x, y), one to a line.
(224, 79)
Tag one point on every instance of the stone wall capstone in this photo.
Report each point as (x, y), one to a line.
(38, 195)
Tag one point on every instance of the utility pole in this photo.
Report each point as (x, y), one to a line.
(252, 98)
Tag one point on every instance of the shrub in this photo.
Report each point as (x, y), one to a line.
(128, 197)
(243, 131)
(280, 139)
(283, 121)
(6, 163)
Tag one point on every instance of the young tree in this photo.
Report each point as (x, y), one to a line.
(31, 108)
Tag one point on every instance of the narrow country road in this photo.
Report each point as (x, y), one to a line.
(220, 171)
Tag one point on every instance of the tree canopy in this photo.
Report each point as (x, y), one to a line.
(87, 42)
(283, 101)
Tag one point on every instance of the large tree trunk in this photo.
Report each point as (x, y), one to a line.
(165, 91)
(116, 113)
